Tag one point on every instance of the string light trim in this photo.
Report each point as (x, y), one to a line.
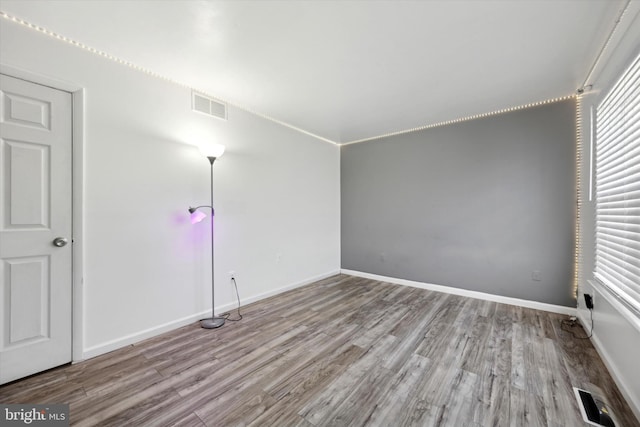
(577, 274)
(261, 115)
(606, 44)
(465, 119)
(152, 73)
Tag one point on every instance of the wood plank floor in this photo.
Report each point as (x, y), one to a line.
(344, 351)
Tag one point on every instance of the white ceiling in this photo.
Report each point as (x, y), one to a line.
(348, 70)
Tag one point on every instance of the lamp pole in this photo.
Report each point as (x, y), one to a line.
(213, 322)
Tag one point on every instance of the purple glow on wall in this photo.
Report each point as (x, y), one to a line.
(197, 216)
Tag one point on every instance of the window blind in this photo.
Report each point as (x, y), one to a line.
(617, 180)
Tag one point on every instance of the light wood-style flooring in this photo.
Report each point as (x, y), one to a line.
(344, 351)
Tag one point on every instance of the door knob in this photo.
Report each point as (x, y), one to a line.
(60, 241)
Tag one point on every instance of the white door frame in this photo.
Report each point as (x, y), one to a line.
(77, 196)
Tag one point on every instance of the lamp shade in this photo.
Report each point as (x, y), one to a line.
(197, 216)
(212, 150)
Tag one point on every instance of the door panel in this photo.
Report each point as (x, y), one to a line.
(35, 208)
(28, 196)
(26, 111)
(27, 309)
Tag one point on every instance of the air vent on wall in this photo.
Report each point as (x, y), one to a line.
(204, 104)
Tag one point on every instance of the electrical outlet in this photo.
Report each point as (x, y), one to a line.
(232, 275)
(535, 275)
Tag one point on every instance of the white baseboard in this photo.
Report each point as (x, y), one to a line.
(142, 335)
(616, 370)
(169, 326)
(619, 379)
(570, 311)
(249, 300)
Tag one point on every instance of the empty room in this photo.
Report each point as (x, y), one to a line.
(320, 213)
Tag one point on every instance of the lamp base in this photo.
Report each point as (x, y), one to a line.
(212, 323)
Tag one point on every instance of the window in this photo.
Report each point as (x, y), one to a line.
(617, 181)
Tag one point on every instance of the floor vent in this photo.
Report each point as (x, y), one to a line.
(211, 107)
(594, 410)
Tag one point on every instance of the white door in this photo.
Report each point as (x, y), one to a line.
(35, 210)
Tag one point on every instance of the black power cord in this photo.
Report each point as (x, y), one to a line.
(226, 316)
(573, 322)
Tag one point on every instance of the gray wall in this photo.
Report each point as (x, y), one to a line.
(478, 205)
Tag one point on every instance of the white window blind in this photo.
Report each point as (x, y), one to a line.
(617, 182)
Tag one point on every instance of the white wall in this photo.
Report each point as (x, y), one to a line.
(616, 333)
(146, 268)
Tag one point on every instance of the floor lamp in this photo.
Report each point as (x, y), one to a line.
(211, 152)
